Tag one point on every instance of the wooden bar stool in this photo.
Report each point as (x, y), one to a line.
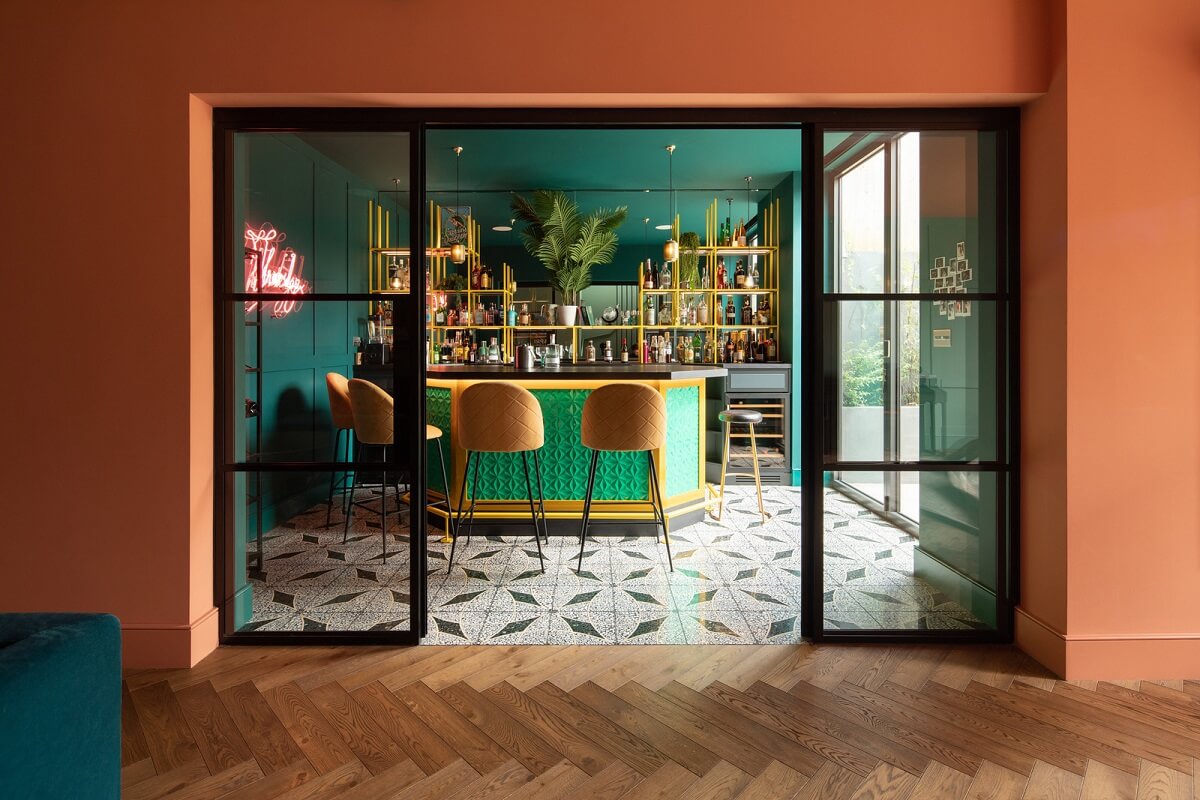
(434, 432)
(625, 417)
(749, 418)
(343, 423)
(499, 417)
(372, 408)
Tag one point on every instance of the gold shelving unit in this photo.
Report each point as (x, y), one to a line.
(712, 255)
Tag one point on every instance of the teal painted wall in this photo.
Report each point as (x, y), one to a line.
(791, 299)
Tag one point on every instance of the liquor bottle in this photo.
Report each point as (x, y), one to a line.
(741, 233)
(476, 276)
(493, 315)
(664, 276)
(589, 353)
(697, 347)
(751, 349)
(729, 349)
(666, 350)
(648, 274)
(485, 278)
(645, 351)
(685, 314)
(608, 353)
(479, 314)
(739, 275)
(473, 353)
(771, 351)
(624, 351)
(764, 312)
(730, 313)
(702, 312)
(439, 316)
(446, 353)
(493, 352)
(747, 312)
(739, 354)
(721, 275)
(652, 313)
(512, 315)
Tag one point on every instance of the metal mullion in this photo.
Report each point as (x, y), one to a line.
(417, 541)
(812, 432)
(842, 297)
(316, 297)
(915, 466)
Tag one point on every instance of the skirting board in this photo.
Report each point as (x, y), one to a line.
(151, 646)
(1133, 656)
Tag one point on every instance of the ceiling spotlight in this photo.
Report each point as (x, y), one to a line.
(662, 227)
(502, 228)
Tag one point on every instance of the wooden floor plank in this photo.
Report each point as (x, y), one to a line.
(722, 782)
(886, 782)
(589, 667)
(138, 771)
(830, 783)
(1102, 782)
(369, 742)
(899, 731)
(221, 744)
(500, 670)
(1156, 782)
(560, 780)
(280, 783)
(634, 751)
(164, 783)
(133, 741)
(610, 783)
(708, 735)
(168, 738)
(420, 743)
(535, 753)
(1178, 699)
(939, 782)
(319, 742)
(668, 783)
(672, 744)
(443, 783)
(792, 711)
(221, 784)
(580, 750)
(1048, 782)
(500, 782)
(478, 749)
(723, 659)
(545, 668)
(917, 666)
(994, 782)
(750, 670)
(385, 785)
(261, 729)
(398, 660)
(789, 671)
(776, 783)
(473, 661)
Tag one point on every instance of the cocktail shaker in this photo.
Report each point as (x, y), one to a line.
(524, 357)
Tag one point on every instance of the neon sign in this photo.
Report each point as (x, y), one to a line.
(281, 270)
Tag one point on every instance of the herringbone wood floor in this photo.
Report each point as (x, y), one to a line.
(650, 722)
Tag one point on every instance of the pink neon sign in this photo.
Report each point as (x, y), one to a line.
(281, 270)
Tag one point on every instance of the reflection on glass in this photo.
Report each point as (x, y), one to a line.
(861, 216)
(884, 572)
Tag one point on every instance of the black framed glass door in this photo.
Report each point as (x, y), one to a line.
(912, 364)
(319, 310)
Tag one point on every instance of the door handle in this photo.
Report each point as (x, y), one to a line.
(887, 348)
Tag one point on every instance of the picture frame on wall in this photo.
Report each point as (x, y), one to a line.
(960, 250)
(454, 229)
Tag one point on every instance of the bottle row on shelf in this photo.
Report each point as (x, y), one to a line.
(694, 312)
(734, 347)
(659, 278)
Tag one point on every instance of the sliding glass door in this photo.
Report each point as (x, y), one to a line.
(913, 321)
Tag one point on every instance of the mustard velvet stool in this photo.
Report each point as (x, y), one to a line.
(372, 409)
(622, 418)
(748, 417)
(343, 422)
(499, 417)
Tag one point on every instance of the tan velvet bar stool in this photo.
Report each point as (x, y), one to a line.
(372, 408)
(499, 417)
(343, 422)
(625, 417)
(748, 417)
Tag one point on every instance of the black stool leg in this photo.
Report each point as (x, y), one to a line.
(658, 507)
(533, 515)
(537, 470)
(350, 506)
(462, 496)
(587, 506)
(446, 486)
(383, 512)
(337, 440)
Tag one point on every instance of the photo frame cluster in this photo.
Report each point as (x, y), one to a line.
(950, 276)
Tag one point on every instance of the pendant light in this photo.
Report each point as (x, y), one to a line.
(458, 250)
(671, 248)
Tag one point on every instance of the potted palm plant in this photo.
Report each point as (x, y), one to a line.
(567, 243)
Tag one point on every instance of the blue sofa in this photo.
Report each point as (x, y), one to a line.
(60, 706)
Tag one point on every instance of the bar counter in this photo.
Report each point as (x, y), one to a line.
(622, 485)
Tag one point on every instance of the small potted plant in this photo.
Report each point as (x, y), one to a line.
(688, 273)
(567, 243)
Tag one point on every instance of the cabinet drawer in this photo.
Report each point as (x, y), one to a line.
(758, 380)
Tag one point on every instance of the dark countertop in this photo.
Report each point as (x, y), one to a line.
(660, 372)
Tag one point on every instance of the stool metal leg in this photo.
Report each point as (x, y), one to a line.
(533, 515)
(462, 497)
(659, 512)
(587, 506)
(337, 440)
(446, 486)
(383, 512)
(757, 481)
(724, 469)
(350, 506)
(537, 471)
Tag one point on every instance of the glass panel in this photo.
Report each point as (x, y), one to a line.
(926, 393)
(911, 211)
(296, 565)
(887, 572)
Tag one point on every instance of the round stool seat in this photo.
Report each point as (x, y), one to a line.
(432, 432)
(741, 415)
(499, 417)
(625, 417)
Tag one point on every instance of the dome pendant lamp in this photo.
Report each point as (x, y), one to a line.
(671, 248)
(458, 250)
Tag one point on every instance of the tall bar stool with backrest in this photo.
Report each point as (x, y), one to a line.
(372, 409)
(499, 417)
(343, 422)
(748, 417)
(625, 417)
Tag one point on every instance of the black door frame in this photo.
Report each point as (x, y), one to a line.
(812, 122)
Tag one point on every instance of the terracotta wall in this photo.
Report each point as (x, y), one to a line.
(107, 253)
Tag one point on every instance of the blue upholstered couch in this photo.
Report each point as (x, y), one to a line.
(60, 706)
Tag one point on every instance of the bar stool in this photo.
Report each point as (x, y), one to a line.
(372, 409)
(500, 417)
(434, 432)
(625, 417)
(750, 418)
(343, 422)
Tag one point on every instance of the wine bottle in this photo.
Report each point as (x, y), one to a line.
(739, 275)
(730, 314)
(624, 350)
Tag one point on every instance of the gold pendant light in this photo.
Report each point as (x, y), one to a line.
(458, 250)
(671, 248)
